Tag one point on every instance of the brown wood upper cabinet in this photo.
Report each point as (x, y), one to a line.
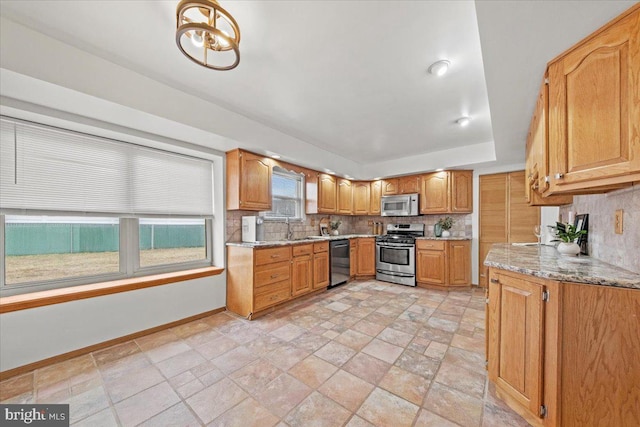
(403, 185)
(537, 156)
(345, 197)
(446, 192)
(594, 105)
(248, 181)
(376, 194)
(361, 197)
(327, 193)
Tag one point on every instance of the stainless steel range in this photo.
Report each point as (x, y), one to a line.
(396, 253)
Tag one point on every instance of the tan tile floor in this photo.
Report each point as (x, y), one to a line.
(366, 353)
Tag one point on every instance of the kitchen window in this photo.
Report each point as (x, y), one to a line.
(287, 195)
(79, 209)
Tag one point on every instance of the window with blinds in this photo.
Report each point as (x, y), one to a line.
(287, 195)
(77, 209)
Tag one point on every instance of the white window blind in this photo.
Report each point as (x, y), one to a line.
(287, 198)
(62, 170)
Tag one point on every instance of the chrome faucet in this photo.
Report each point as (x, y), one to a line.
(289, 232)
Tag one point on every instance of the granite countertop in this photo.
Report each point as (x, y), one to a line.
(546, 262)
(274, 243)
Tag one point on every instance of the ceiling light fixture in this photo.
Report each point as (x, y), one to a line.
(275, 156)
(463, 121)
(439, 68)
(207, 34)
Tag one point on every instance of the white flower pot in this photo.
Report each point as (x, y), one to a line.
(571, 249)
(335, 232)
(446, 233)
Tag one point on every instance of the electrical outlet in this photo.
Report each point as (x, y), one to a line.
(618, 221)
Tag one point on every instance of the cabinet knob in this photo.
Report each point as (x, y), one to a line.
(547, 179)
(495, 280)
(273, 276)
(559, 175)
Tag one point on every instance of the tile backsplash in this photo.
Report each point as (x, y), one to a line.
(621, 250)
(277, 230)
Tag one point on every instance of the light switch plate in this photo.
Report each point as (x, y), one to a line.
(618, 221)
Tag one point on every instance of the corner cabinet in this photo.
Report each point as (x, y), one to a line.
(376, 195)
(594, 105)
(446, 192)
(443, 264)
(564, 354)
(248, 181)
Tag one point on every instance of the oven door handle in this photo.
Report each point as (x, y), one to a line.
(394, 245)
(395, 273)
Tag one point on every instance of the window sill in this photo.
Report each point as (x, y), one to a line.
(57, 296)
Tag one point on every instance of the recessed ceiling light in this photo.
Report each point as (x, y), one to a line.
(463, 121)
(439, 68)
(439, 170)
(275, 156)
(329, 171)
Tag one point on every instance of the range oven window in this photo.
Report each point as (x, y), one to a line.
(397, 256)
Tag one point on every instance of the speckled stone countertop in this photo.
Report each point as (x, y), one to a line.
(546, 262)
(274, 243)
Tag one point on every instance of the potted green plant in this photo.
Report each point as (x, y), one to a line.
(445, 225)
(333, 225)
(567, 235)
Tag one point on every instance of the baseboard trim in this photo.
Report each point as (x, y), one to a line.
(99, 346)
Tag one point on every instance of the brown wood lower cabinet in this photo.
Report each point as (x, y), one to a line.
(366, 257)
(443, 263)
(258, 279)
(564, 354)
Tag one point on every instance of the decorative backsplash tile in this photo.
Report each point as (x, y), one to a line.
(277, 230)
(621, 250)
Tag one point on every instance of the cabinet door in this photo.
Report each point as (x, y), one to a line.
(327, 193)
(434, 197)
(409, 184)
(361, 198)
(594, 105)
(345, 197)
(431, 267)
(255, 182)
(515, 338)
(461, 191)
(376, 193)
(366, 257)
(459, 263)
(320, 270)
(301, 275)
(390, 186)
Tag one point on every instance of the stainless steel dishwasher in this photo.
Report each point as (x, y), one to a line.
(340, 265)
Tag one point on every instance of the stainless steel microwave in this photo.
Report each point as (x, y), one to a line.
(400, 205)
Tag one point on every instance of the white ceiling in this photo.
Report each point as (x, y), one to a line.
(327, 84)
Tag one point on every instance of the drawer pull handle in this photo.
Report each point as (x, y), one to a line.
(495, 281)
(275, 256)
(273, 276)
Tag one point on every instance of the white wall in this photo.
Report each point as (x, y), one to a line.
(27, 336)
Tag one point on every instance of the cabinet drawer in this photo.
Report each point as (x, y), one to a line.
(273, 294)
(432, 245)
(303, 249)
(268, 256)
(320, 247)
(271, 273)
